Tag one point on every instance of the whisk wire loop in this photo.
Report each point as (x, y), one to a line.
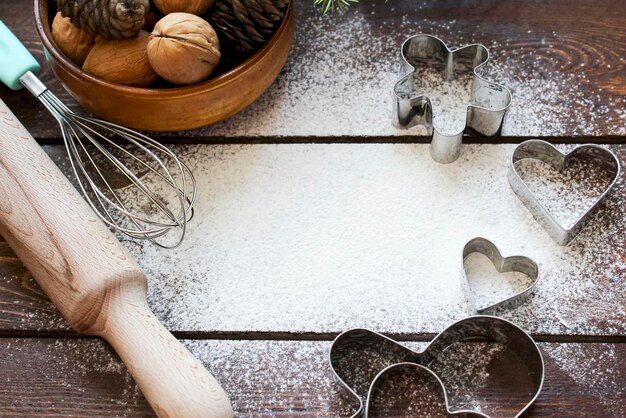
(99, 150)
(87, 133)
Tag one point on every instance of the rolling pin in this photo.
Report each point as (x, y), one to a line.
(98, 288)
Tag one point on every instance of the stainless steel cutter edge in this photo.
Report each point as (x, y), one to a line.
(423, 370)
(518, 263)
(548, 153)
(444, 339)
(415, 109)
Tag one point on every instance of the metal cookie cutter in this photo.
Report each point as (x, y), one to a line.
(384, 382)
(361, 360)
(485, 112)
(516, 263)
(546, 152)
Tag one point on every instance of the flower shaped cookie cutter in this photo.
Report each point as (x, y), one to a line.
(362, 361)
(485, 112)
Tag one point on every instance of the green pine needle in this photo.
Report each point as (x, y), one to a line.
(334, 6)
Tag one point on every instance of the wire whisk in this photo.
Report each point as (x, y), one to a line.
(158, 191)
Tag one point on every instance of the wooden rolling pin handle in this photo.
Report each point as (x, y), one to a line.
(173, 381)
(91, 278)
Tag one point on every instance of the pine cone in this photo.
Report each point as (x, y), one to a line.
(109, 18)
(247, 24)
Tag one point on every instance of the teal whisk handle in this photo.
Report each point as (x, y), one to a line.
(15, 59)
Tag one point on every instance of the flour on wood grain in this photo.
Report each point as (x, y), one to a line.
(332, 86)
(488, 285)
(599, 369)
(261, 377)
(320, 238)
(265, 377)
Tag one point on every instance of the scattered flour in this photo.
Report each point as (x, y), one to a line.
(260, 377)
(281, 378)
(302, 239)
(71, 375)
(488, 285)
(407, 392)
(449, 99)
(321, 238)
(331, 86)
(478, 376)
(586, 182)
(600, 370)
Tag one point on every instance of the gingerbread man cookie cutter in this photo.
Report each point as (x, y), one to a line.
(485, 112)
(361, 360)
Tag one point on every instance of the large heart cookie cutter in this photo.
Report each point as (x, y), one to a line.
(485, 112)
(515, 263)
(359, 356)
(546, 152)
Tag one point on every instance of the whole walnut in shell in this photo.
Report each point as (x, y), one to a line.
(75, 43)
(197, 7)
(183, 48)
(122, 61)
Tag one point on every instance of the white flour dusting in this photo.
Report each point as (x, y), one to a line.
(265, 377)
(568, 204)
(403, 393)
(600, 370)
(331, 86)
(320, 238)
(548, 101)
(275, 377)
(260, 377)
(487, 285)
(449, 99)
(473, 375)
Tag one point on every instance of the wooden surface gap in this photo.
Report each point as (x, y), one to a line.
(286, 336)
(405, 139)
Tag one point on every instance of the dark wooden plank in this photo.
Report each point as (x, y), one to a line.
(586, 300)
(23, 303)
(563, 59)
(267, 378)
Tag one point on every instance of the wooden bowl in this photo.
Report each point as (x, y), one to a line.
(177, 108)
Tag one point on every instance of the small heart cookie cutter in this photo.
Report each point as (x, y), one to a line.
(516, 263)
(546, 152)
(485, 112)
(352, 349)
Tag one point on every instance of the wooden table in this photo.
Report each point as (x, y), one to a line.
(315, 221)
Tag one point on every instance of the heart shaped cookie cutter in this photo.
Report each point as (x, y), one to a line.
(516, 263)
(359, 358)
(547, 153)
(485, 112)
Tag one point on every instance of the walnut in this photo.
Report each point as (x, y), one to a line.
(183, 48)
(75, 43)
(122, 61)
(197, 7)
